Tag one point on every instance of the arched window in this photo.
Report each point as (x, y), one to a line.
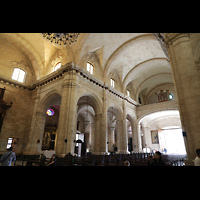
(57, 66)
(18, 75)
(90, 68)
(112, 82)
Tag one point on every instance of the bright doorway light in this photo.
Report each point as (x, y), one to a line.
(172, 140)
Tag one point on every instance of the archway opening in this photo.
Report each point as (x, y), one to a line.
(162, 131)
(85, 126)
(50, 130)
(171, 140)
(114, 129)
(49, 124)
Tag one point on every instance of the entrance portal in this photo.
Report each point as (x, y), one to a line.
(172, 140)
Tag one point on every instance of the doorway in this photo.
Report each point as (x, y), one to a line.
(50, 129)
(172, 140)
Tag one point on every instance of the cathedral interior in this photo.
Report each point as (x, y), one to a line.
(100, 93)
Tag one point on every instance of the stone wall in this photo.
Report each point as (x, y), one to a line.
(17, 121)
(26, 119)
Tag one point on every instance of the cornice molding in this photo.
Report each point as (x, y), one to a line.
(171, 38)
(70, 67)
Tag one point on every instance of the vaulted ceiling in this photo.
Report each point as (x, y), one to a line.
(136, 59)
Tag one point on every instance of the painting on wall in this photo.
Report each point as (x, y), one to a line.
(154, 137)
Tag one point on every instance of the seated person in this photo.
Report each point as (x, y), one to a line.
(156, 160)
(52, 160)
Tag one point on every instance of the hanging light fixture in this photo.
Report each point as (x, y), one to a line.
(61, 38)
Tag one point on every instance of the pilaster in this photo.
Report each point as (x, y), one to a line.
(68, 115)
(97, 136)
(124, 138)
(36, 132)
(119, 135)
(104, 135)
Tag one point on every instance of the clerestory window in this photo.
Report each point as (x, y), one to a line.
(112, 82)
(90, 68)
(57, 66)
(18, 75)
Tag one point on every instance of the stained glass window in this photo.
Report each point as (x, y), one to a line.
(50, 112)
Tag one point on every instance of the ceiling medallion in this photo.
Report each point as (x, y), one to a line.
(61, 38)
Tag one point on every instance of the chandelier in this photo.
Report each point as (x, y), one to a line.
(61, 38)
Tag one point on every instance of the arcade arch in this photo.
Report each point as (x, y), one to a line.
(114, 129)
(151, 129)
(86, 110)
(43, 127)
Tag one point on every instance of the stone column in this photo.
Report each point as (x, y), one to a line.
(104, 135)
(112, 139)
(124, 138)
(36, 130)
(187, 85)
(36, 134)
(146, 133)
(137, 144)
(144, 138)
(97, 135)
(87, 131)
(139, 138)
(68, 115)
(119, 136)
(61, 143)
(92, 137)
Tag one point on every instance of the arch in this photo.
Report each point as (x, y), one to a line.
(147, 75)
(89, 108)
(28, 50)
(147, 63)
(197, 52)
(165, 86)
(94, 102)
(174, 121)
(159, 112)
(117, 110)
(129, 43)
(155, 79)
(51, 98)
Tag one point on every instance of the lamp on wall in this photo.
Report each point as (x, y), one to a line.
(61, 38)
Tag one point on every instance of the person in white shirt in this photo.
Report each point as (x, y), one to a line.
(197, 159)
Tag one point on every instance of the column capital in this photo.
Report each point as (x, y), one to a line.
(175, 38)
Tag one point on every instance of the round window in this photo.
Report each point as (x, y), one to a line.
(50, 112)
